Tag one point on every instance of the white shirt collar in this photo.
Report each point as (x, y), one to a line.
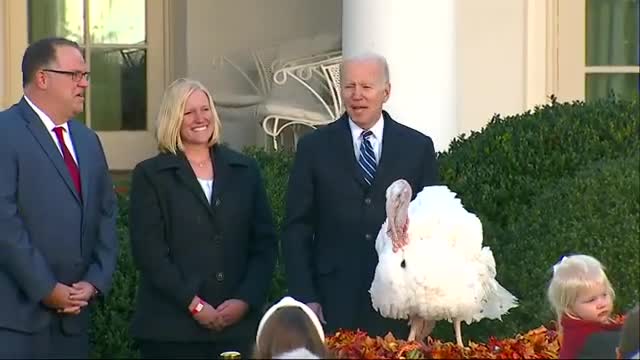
(377, 129)
(46, 120)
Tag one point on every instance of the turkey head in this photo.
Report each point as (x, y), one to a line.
(398, 199)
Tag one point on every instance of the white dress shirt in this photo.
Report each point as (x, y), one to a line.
(49, 124)
(375, 139)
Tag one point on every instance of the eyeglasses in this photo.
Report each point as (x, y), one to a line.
(75, 75)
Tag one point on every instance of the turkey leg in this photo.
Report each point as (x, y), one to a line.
(456, 328)
(420, 328)
(414, 324)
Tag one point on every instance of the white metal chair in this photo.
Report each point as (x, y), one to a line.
(315, 80)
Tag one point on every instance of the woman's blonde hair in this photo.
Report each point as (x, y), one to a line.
(171, 115)
(572, 275)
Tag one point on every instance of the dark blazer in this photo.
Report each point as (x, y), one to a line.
(333, 218)
(184, 246)
(49, 234)
(600, 345)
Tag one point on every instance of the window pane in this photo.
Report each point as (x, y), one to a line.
(622, 85)
(612, 32)
(117, 21)
(82, 117)
(56, 18)
(118, 89)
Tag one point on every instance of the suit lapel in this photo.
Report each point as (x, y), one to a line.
(346, 152)
(39, 132)
(179, 165)
(222, 172)
(80, 147)
(391, 152)
(188, 178)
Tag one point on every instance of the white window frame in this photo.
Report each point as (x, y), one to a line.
(124, 149)
(571, 50)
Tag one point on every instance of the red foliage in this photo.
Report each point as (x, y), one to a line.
(540, 343)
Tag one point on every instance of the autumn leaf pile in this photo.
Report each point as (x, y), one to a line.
(540, 343)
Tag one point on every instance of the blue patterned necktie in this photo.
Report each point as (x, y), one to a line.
(367, 158)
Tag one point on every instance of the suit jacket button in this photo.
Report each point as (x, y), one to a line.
(220, 276)
(367, 201)
(368, 236)
(217, 203)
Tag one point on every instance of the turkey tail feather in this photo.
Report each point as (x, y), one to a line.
(499, 302)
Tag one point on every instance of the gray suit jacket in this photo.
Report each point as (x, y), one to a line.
(49, 234)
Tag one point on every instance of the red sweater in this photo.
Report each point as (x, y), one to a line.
(575, 332)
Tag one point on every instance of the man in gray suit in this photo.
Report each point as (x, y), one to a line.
(58, 244)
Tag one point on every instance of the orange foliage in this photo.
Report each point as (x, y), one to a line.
(540, 343)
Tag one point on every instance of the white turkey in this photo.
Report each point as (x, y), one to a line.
(432, 265)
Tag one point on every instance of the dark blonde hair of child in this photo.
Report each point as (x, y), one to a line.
(286, 329)
(571, 276)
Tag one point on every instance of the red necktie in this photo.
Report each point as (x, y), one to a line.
(68, 159)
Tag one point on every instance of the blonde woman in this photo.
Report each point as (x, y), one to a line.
(582, 297)
(202, 235)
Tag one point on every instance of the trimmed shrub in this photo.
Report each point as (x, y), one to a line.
(274, 167)
(595, 212)
(111, 319)
(500, 169)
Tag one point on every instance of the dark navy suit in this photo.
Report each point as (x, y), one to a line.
(333, 218)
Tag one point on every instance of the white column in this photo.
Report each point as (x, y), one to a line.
(418, 38)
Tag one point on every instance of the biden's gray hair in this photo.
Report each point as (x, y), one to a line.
(368, 56)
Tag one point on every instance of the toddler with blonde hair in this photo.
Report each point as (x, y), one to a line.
(582, 297)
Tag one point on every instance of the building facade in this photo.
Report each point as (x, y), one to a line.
(453, 63)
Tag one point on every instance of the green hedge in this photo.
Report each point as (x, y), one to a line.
(594, 212)
(509, 174)
(501, 171)
(503, 167)
(110, 332)
(275, 170)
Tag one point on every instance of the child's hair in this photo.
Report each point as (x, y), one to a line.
(630, 335)
(290, 326)
(572, 275)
